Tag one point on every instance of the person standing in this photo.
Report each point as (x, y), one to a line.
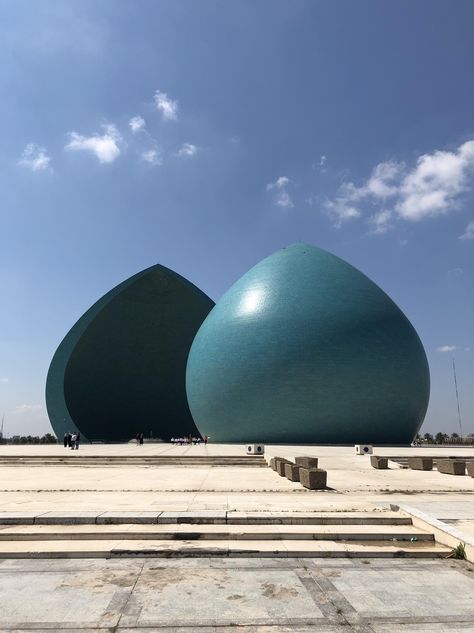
(65, 440)
(73, 440)
(140, 438)
(78, 439)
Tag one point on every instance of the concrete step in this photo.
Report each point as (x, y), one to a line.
(203, 517)
(188, 532)
(77, 459)
(163, 548)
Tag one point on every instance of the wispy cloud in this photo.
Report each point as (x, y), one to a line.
(152, 156)
(345, 204)
(281, 198)
(187, 149)
(34, 157)
(468, 233)
(167, 106)
(432, 187)
(136, 124)
(447, 348)
(105, 147)
(24, 409)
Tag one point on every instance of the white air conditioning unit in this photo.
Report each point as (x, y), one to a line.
(364, 449)
(255, 449)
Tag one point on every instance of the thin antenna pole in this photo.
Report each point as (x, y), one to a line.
(457, 396)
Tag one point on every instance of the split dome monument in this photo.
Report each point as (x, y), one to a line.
(304, 348)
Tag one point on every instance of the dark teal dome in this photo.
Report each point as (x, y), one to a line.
(121, 368)
(304, 348)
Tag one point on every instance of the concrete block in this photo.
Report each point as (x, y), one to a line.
(200, 516)
(18, 518)
(292, 472)
(451, 466)
(379, 462)
(110, 518)
(470, 469)
(420, 463)
(272, 463)
(280, 465)
(306, 462)
(313, 478)
(67, 518)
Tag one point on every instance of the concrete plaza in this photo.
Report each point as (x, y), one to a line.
(261, 593)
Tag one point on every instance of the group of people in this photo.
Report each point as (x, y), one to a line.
(139, 439)
(72, 440)
(189, 439)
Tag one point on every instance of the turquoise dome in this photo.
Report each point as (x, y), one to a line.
(304, 348)
(121, 368)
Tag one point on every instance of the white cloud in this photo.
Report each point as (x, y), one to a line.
(34, 157)
(468, 233)
(381, 221)
(106, 147)
(282, 197)
(433, 186)
(187, 149)
(345, 205)
(279, 183)
(167, 106)
(447, 348)
(136, 124)
(322, 161)
(24, 409)
(383, 180)
(153, 157)
(4, 380)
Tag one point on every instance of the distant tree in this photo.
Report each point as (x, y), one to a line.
(454, 436)
(48, 438)
(428, 438)
(440, 438)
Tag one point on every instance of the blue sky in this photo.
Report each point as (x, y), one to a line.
(206, 135)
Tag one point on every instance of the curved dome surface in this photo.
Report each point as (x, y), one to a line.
(304, 348)
(121, 368)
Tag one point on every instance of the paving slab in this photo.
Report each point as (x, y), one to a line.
(127, 517)
(204, 516)
(254, 595)
(17, 518)
(66, 517)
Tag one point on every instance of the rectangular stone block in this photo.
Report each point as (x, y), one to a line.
(313, 478)
(280, 465)
(218, 517)
(379, 462)
(420, 463)
(111, 518)
(272, 463)
(292, 472)
(67, 518)
(306, 462)
(470, 469)
(451, 466)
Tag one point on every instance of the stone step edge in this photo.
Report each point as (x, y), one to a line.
(445, 534)
(105, 518)
(217, 536)
(377, 552)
